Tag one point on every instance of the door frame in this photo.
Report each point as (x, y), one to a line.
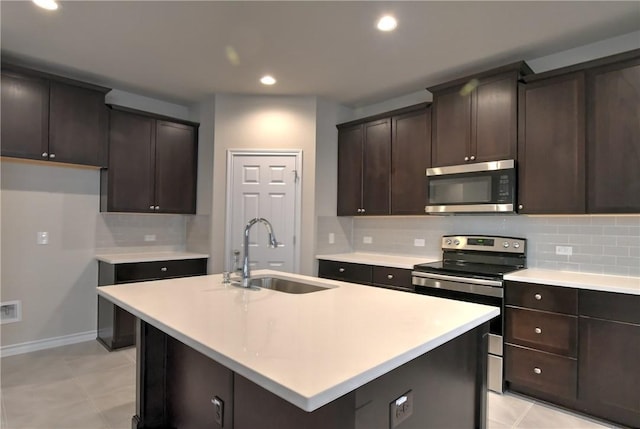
(231, 154)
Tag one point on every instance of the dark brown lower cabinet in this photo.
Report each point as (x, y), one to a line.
(387, 277)
(116, 327)
(587, 361)
(178, 387)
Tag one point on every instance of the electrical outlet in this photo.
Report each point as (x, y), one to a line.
(367, 240)
(418, 242)
(564, 250)
(332, 238)
(42, 237)
(218, 410)
(401, 409)
(10, 311)
(150, 237)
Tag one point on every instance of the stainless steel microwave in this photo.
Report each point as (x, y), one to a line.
(483, 187)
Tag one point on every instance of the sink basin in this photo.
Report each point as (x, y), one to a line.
(285, 285)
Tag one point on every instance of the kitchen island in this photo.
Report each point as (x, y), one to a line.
(211, 354)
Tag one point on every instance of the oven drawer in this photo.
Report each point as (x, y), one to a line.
(393, 277)
(542, 297)
(551, 332)
(544, 372)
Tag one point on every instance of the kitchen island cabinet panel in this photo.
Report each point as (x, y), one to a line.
(25, 116)
(346, 272)
(613, 138)
(551, 152)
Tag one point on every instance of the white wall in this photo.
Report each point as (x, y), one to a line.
(55, 282)
(259, 122)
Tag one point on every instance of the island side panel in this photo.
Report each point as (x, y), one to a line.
(447, 385)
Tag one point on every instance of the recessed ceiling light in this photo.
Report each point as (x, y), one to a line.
(47, 4)
(387, 23)
(267, 80)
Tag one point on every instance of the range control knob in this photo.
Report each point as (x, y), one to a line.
(448, 242)
(456, 242)
(505, 244)
(516, 245)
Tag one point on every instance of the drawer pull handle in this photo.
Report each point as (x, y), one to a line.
(538, 331)
(537, 370)
(163, 269)
(341, 270)
(389, 276)
(537, 296)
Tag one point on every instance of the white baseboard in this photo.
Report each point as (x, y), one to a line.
(47, 343)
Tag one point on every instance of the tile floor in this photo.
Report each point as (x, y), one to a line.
(84, 386)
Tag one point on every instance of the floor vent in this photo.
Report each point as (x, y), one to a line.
(10, 311)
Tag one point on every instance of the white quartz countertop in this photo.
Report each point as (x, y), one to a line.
(605, 283)
(380, 259)
(124, 258)
(309, 349)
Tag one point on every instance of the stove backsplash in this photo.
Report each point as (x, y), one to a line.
(599, 244)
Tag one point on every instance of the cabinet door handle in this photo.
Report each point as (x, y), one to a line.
(52, 155)
(389, 276)
(537, 370)
(341, 270)
(537, 296)
(163, 269)
(466, 158)
(538, 331)
(45, 154)
(472, 158)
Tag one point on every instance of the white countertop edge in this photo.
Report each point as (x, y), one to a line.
(125, 258)
(308, 404)
(577, 280)
(379, 259)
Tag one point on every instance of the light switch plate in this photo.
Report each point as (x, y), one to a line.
(332, 238)
(42, 237)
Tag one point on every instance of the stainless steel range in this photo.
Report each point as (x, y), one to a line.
(472, 269)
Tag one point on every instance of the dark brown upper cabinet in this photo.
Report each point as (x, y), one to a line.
(613, 137)
(382, 162)
(475, 118)
(46, 117)
(152, 164)
(551, 145)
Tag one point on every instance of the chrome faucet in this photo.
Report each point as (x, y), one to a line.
(246, 272)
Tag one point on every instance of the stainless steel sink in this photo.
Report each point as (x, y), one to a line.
(285, 285)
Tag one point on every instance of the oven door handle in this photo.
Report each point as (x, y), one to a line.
(483, 282)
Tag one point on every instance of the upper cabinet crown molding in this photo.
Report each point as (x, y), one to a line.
(521, 68)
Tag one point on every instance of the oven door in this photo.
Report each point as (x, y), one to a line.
(480, 187)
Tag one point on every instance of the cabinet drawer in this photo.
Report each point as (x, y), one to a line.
(544, 372)
(551, 332)
(345, 271)
(542, 297)
(394, 277)
(156, 270)
(610, 306)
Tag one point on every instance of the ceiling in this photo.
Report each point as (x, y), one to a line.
(183, 51)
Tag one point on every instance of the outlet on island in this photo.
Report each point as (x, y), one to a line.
(401, 409)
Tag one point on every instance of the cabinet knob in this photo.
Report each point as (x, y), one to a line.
(537, 296)
(52, 155)
(520, 206)
(157, 207)
(151, 207)
(466, 158)
(472, 158)
(359, 210)
(362, 210)
(163, 269)
(389, 276)
(45, 154)
(341, 270)
(537, 370)
(538, 331)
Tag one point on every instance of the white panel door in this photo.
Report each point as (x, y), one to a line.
(264, 185)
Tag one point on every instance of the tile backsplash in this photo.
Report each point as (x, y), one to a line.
(599, 244)
(132, 232)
